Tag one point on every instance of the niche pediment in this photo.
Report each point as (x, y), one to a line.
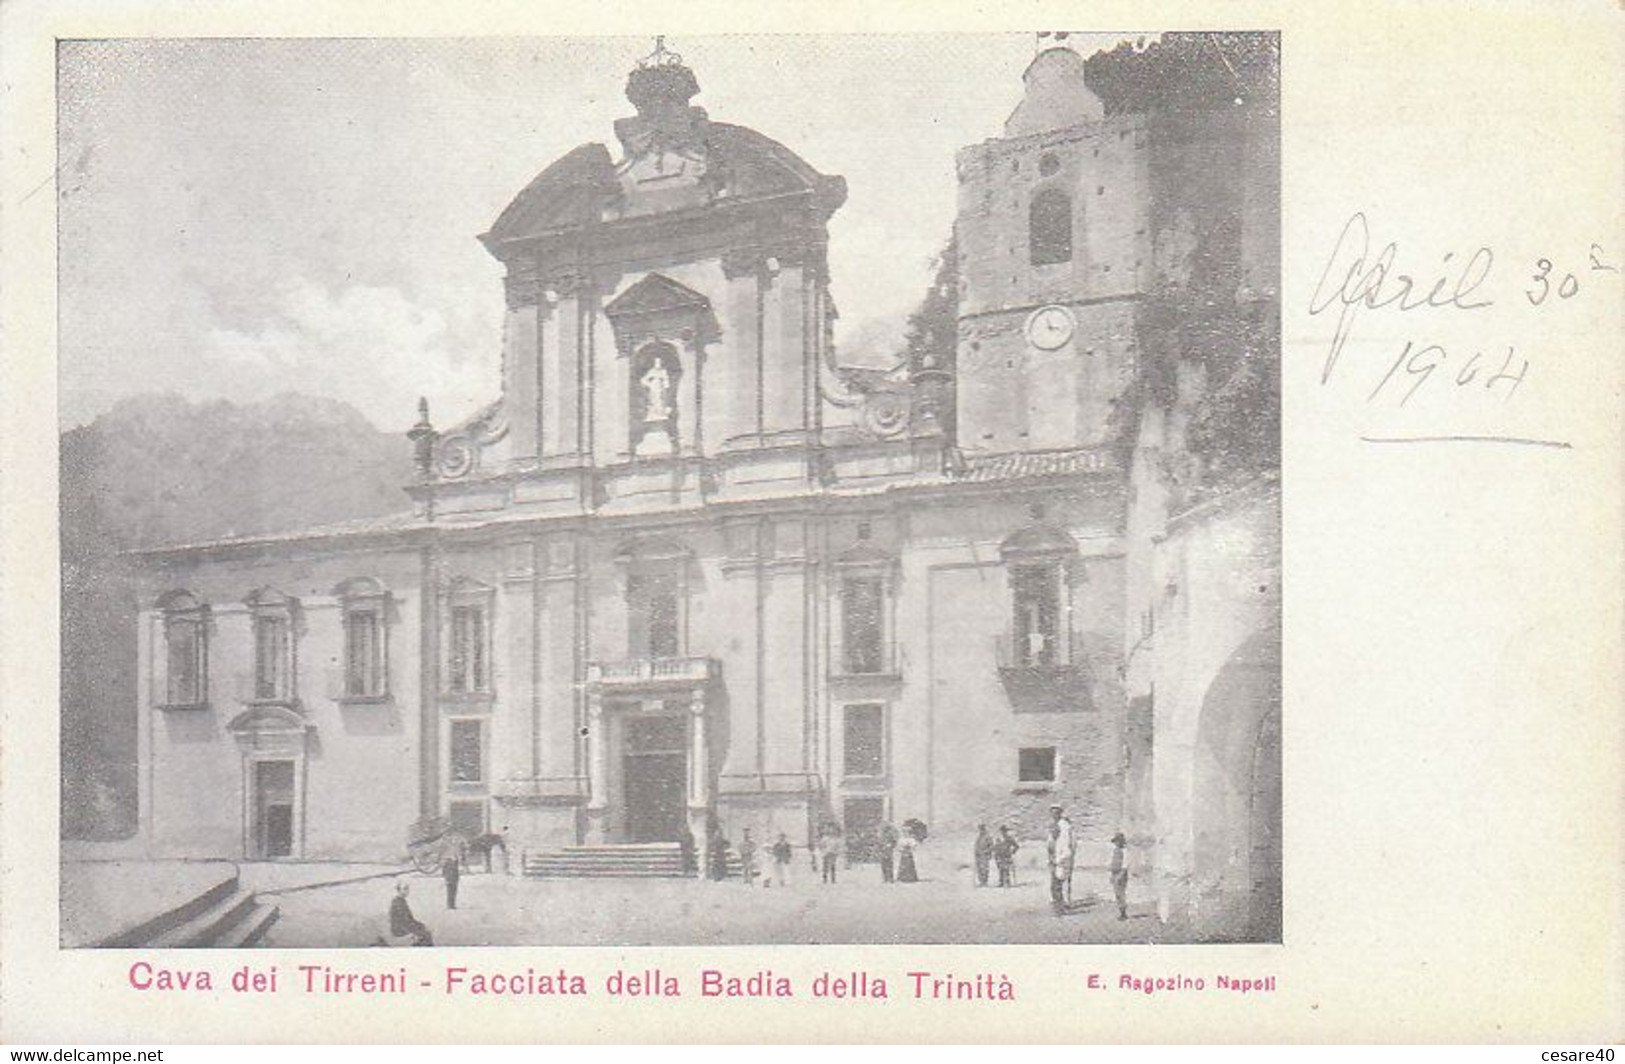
(657, 307)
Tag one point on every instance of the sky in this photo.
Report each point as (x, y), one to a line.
(240, 218)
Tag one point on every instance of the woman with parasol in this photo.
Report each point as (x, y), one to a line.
(913, 834)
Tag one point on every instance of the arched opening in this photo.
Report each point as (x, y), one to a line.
(1236, 797)
(1049, 227)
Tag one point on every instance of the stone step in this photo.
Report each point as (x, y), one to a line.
(206, 926)
(650, 860)
(149, 931)
(251, 929)
(604, 873)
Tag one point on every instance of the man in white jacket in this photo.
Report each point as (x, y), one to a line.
(1062, 851)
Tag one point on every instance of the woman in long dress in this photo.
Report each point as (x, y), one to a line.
(906, 872)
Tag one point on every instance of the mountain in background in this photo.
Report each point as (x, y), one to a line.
(157, 470)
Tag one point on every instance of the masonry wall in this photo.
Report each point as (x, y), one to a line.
(1216, 683)
(359, 774)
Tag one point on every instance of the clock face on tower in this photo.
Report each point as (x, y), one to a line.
(1050, 327)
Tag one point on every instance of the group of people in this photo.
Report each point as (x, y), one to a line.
(1063, 852)
(1000, 853)
(894, 848)
(896, 852)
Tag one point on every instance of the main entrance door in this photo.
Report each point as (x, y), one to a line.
(656, 772)
(862, 818)
(273, 808)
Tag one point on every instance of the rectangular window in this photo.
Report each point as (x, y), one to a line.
(467, 751)
(466, 818)
(363, 653)
(468, 665)
(1036, 596)
(863, 624)
(1035, 764)
(663, 621)
(865, 740)
(654, 617)
(271, 658)
(184, 638)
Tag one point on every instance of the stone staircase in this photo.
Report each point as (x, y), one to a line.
(226, 916)
(626, 860)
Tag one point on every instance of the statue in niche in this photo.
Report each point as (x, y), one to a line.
(656, 383)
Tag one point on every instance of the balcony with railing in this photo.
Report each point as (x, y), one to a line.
(1043, 671)
(643, 673)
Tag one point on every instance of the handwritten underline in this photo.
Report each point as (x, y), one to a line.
(1522, 441)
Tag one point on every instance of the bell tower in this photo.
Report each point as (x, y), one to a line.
(1054, 256)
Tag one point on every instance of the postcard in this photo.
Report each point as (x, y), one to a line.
(909, 524)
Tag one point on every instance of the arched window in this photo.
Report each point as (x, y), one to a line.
(1049, 227)
(186, 649)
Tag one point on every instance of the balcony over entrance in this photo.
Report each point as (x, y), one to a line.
(641, 674)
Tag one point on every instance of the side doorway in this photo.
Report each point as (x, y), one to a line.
(272, 827)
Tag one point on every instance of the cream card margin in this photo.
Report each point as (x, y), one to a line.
(1453, 654)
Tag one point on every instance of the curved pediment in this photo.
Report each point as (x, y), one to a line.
(1039, 540)
(178, 601)
(269, 598)
(358, 587)
(570, 192)
(268, 719)
(652, 549)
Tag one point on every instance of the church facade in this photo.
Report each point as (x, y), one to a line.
(689, 571)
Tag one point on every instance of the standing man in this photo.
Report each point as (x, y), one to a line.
(829, 845)
(781, 860)
(888, 851)
(747, 858)
(1004, 855)
(1120, 875)
(451, 869)
(982, 852)
(1062, 851)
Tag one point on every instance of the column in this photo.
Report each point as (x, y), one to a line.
(598, 753)
(699, 769)
(698, 761)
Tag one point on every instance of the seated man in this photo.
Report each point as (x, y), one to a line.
(402, 924)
